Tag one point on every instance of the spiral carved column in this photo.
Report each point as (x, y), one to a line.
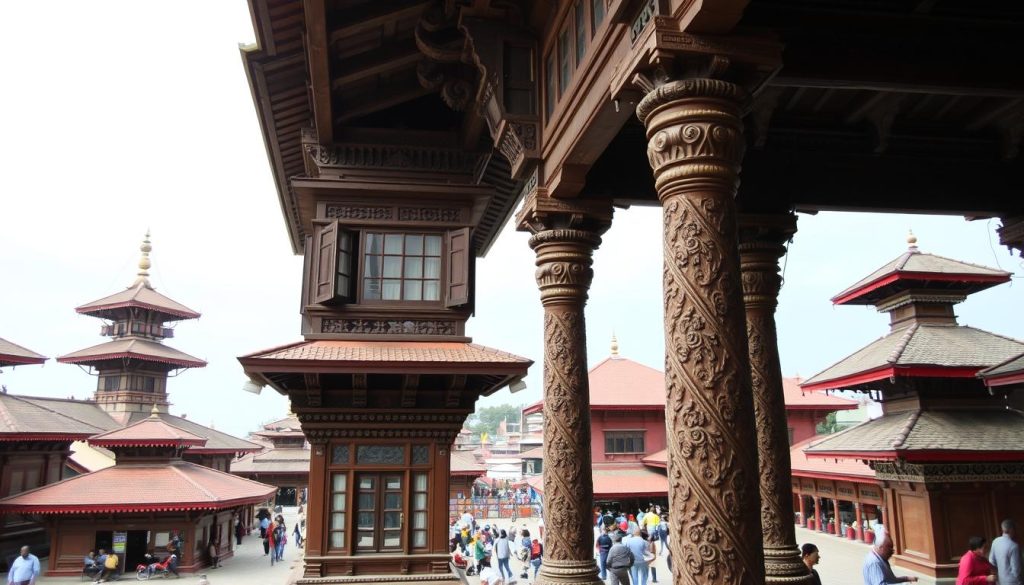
(695, 146)
(564, 274)
(762, 239)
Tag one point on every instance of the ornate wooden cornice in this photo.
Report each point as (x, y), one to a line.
(948, 472)
(541, 212)
(331, 159)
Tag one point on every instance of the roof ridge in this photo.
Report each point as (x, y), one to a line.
(1004, 362)
(177, 467)
(1006, 337)
(902, 259)
(999, 270)
(58, 413)
(904, 433)
(894, 355)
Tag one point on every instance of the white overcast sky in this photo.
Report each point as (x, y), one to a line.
(121, 116)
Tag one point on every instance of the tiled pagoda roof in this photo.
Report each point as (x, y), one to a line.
(140, 488)
(1010, 371)
(216, 441)
(12, 354)
(24, 418)
(620, 482)
(464, 463)
(835, 468)
(139, 295)
(923, 349)
(914, 266)
(932, 435)
(374, 352)
(133, 348)
(292, 460)
(148, 432)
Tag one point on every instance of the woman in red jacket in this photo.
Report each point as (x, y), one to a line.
(974, 567)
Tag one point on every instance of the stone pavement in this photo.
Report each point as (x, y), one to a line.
(841, 559)
(247, 567)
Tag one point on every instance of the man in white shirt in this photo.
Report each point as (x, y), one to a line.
(1005, 555)
(24, 569)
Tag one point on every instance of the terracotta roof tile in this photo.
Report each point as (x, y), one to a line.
(60, 419)
(387, 351)
(153, 488)
(216, 441)
(464, 463)
(620, 482)
(150, 431)
(804, 466)
(925, 344)
(797, 398)
(138, 295)
(133, 347)
(12, 354)
(966, 431)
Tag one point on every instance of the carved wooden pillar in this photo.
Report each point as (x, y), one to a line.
(858, 518)
(762, 241)
(817, 514)
(695, 146)
(564, 258)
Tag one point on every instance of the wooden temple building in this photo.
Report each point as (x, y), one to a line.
(947, 453)
(52, 500)
(283, 461)
(402, 136)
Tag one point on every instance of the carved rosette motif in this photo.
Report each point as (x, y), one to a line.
(390, 326)
(760, 246)
(564, 274)
(695, 146)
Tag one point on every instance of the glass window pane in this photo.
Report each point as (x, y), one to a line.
(432, 268)
(386, 454)
(372, 266)
(340, 480)
(414, 267)
(419, 501)
(339, 454)
(581, 33)
(338, 502)
(374, 243)
(371, 290)
(337, 540)
(565, 61)
(391, 290)
(337, 521)
(413, 290)
(366, 483)
(392, 266)
(420, 482)
(393, 244)
(419, 538)
(392, 539)
(366, 520)
(393, 482)
(414, 245)
(433, 246)
(365, 539)
(596, 13)
(392, 501)
(366, 502)
(420, 456)
(392, 519)
(431, 290)
(419, 520)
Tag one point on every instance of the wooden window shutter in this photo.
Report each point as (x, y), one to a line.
(307, 272)
(458, 268)
(326, 263)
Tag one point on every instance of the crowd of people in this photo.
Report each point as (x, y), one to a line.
(492, 549)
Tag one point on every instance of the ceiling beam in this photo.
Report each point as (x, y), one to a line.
(380, 101)
(377, 14)
(319, 69)
(375, 62)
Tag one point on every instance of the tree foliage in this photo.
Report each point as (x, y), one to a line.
(488, 418)
(828, 426)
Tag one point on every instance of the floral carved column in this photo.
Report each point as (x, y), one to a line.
(695, 146)
(564, 258)
(762, 241)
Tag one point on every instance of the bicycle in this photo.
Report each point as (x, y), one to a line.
(152, 569)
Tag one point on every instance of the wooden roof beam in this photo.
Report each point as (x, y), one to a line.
(377, 14)
(381, 101)
(375, 62)
(319, 68)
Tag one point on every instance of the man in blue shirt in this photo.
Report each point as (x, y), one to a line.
(876, 568)
(24, 569)
(639, 547)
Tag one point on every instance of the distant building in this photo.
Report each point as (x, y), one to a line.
(283, 462)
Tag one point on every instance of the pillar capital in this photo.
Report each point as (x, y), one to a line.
(564, 259)
(762, 240)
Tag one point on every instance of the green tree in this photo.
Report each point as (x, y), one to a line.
(487, 419)
(828, 426)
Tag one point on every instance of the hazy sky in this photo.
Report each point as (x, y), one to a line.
(123, 116)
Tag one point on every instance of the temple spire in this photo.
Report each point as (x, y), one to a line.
(911, 240)
(144, 263)
(615, 346)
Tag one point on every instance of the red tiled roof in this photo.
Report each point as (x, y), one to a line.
(802, 466)
(138, 295)
(535, 453)
(133, 348)
(170, 487)
(800, 399)
(464, 463)
(620, 482)
(658, 459)
(216, 441)
(12, 354)
(362, 352)
(149, 432)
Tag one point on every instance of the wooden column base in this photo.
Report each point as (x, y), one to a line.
(568, 572)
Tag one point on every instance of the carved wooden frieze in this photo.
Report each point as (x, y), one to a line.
(446, 435)
(948, 472)
(392, 214)
(380, 418)
(390, 326)
(360, 212)
(392, 157)
(434, 214)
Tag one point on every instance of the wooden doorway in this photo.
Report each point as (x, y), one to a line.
(380, 512)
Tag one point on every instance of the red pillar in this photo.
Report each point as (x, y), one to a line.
(817, 513)
(860, 527)
(803, 512)
(835, 513)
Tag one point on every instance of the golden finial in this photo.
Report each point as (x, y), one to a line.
(144, 263)
(154, 412)
(911, 240)
(615, 346)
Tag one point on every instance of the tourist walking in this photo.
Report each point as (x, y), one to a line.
(239, 530)
(25, 568)
(212, 549)
(974, 567)
(502, 552)
(811, 557)
(620, 559)
(280, 539)
(536, 556)
(603, 544)
(876, 569)
(1005, 555)
(640, 548)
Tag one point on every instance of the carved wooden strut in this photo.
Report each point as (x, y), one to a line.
(695, 146)
(761, 244)
(564, 274)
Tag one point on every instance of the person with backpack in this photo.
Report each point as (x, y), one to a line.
(536, 556)
(620, 560)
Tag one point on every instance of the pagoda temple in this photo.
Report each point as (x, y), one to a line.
(948, 453)
(150, 497)
(283, 461)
